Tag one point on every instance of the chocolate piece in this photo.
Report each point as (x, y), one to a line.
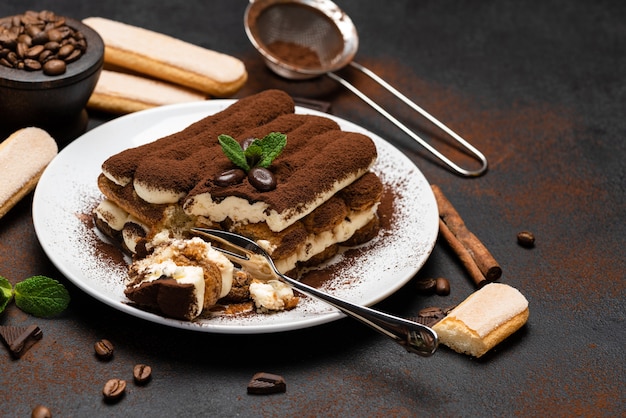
(430, 316)
(266, 383)
(19, 339)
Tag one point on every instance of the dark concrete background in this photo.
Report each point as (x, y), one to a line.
(539, 86)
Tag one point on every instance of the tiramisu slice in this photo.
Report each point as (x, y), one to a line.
(323, 193)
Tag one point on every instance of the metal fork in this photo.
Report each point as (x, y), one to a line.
(414, 337)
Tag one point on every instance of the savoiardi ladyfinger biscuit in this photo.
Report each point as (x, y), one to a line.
(23, 157)
(168, 58)
(121, 93)
(483, 320)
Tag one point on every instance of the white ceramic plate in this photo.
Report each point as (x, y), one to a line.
(67, 192)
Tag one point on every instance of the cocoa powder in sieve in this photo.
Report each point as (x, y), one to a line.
(295, 54)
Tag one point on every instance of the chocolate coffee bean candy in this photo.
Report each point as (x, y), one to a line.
(230, 177)
(266, 383)
(104, 349)
(442, 286)
(142, 374)
(114, 389)
(41, 411)
(262, 179)
(526, 239)
(54, 67)
(426, 286)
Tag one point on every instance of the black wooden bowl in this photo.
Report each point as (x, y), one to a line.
(54, 103)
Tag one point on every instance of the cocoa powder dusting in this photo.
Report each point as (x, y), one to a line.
(295, 54)
(187, 162)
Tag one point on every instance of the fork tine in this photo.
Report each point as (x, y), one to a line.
(416, 338)
(254, 259)
(218, 236)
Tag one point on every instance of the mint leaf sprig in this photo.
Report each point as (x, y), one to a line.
(38, 295)
(6, 293)
(260, 153)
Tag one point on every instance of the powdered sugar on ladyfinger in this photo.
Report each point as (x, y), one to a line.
(169, 58)
(23, 157)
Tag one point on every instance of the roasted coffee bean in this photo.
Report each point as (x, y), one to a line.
(114, 389)
(12, 57)
(76, 53)
(21, 49)
(230, 177)
(38, 36)
(52, 46)
(266, 383)
(41, 411)
(34, 51)
(65, 51)
(33, 30)
(142, 374)
(104, 349)
(43, 57)
(262, 179)
(442, 287)
(426, 286)
(526, 239)
(54, 67)
(32, 65)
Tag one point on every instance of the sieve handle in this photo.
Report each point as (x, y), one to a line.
(468, 147)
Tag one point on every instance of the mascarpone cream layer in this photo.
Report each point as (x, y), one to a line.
(241, 211)
(316, 243)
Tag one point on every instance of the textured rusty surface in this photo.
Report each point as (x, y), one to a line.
(539, 87)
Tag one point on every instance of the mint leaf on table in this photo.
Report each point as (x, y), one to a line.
(41, 296)
(272, 145)
(6, 293)
(233, 151)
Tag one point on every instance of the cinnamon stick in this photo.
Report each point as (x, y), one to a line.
(464, 256)
(480, 255)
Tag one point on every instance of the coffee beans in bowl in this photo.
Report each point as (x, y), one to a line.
(49, 66)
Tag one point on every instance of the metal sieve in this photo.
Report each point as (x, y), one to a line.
(320, 27)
